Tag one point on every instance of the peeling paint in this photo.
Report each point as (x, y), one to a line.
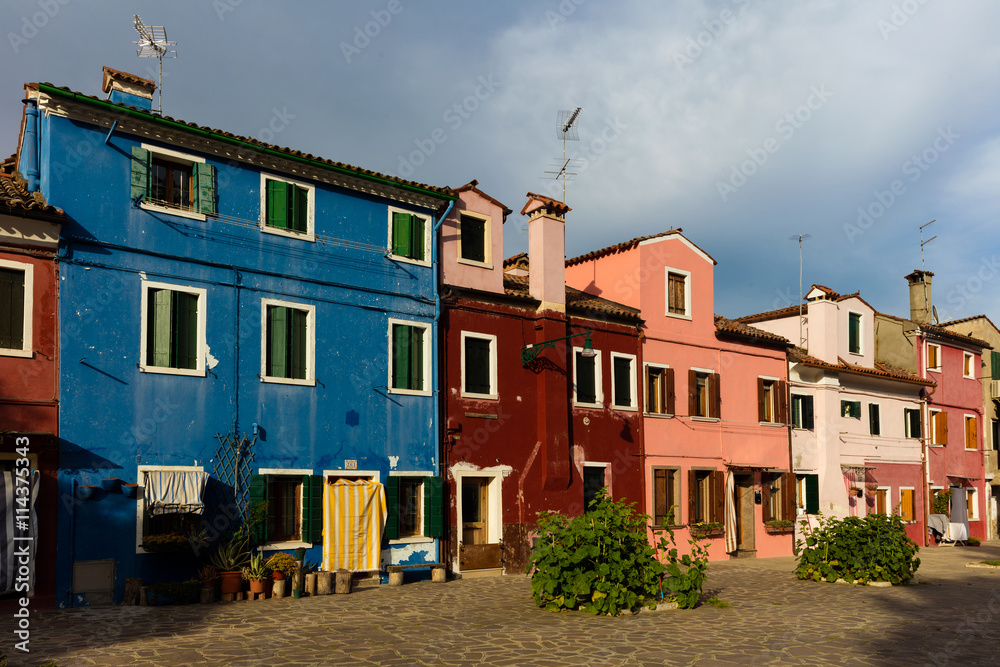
(212, 361)
(393, 462)
(411, 554)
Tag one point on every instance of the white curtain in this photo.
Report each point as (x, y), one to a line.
(17, 529)
(731, 545)
(175, 491)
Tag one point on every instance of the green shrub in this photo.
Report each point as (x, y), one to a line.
(857, 549)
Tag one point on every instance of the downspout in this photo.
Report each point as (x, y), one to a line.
(444, 542)
(925, 418)
(28, 163)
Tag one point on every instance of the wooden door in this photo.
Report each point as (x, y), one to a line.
(476, 551)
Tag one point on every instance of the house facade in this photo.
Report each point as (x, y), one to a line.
(713, 398)
(240, 324)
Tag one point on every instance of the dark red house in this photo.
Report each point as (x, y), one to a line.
(540, 385)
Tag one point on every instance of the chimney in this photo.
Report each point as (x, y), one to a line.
(128, 89)
(921, 307)
(547, 251)
(823, 319)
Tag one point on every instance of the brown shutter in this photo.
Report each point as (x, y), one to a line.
(765, 496)
(782, 417)
(718, 497)
(971, 428)
(692, 392)
(659, 494)
(761, 410)
(788, 495)
(714, 396)
(669, 398)
(692, 496)
(941, 428)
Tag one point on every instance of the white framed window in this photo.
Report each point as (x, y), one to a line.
(409, 236)
(413, 500)
(968, 365)
(704, 396)
(172, 336)
(287, 207)
(666, 496)
(855, 332)
(17, 298)
(474, 240)
(165, 518)
(168, 181)
(939, 427)
(292, 499)
(677, 284)
(874, 419)
(907, 503)
(972, 502)
(660, 396)
(911, 422)
(971, 432)
(587, 384)
(880, 501)
(802, 411)
(596, 476)
(287, 342)
(623, 381)
(409, 357)
(933, 357)
(771, 400)
(479, 365)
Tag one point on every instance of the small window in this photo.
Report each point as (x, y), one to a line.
(779, 492)
(173, 329)
(289, 341)
(703, 394)
(623, 381)
(971, 432)
(854, 333)
(473, 238)
(479, 365)
(972, 503)
(802, 411)
(771, 405)
(968, 365)
(874, 427)
(409, 357)
(807, 495)
(705, 496)
(414, 506)
(911, 422)
(660, 397)
(678, 293)
(16, 301)
(171, 506)
(939, 427)
(881, 500)
(287, 207)
(594, 479)
(587, 378)
(907, 505)
(289, 504)
(851, 409)
(174, 182)
(933, 357)
(409, 236)
(666, 497)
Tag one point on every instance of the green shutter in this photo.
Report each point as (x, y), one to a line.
(392, 508)
(400, 356)
(873, 425)
(258, 494)
(300, 208)
(417, 239)
(158, 328)
(185, 330)
(204, 184)
(11, 309)
(995, 365)
(277, 341)
(417, 358)
(812, 494)
(312, 508)
(854, 333)
(401, 234)
(140, 173)
(297, 339)
(277, 204)
(807, 412)
(433, 507)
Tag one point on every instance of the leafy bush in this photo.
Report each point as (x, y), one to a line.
(603, 563)
(857, 549)
(942, 502)
(683, 575)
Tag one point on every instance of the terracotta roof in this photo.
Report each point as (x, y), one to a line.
(124, 76)
(471, 186)
(823, 288)
(969, 319)
(223, 135)
(939, 330)
(518, 286)
(787, 311)
(800, 356)
(728, 326)
(558, 208)
(15, 197)
(619, 247)
(7, 166)
(518, 261)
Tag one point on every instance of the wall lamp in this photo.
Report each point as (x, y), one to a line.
(530, 352)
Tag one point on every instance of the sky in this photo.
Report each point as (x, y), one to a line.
(744, 122)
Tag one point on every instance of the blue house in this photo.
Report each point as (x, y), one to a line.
(241, 324)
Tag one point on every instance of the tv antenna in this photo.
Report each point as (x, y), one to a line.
(566, 129)
(923, 266)
(800, 238)
(153, 43)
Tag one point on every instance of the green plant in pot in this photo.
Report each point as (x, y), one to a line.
(256, 573)
(230, 557)
(207, 574)
(282, 565)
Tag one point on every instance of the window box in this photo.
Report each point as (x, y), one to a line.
(166, 543)
(779, 526)
(707, 529)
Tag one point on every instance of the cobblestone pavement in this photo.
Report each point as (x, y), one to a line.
(951, 616)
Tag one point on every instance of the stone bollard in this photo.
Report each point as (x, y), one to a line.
(439, 575)
(396, 578)
(279, 588)
(311, 584)
(324, 583)
(343, 582)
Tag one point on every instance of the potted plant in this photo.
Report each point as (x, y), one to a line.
(973, 542)
(256, 572)
(229, 558)
(165, 543)
(779, 526)
(207, 575)
(707, 528)
(282, 565)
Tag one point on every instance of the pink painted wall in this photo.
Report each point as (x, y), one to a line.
(487, 276)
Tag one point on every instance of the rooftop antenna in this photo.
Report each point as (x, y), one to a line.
(800, 238)
(153, 43)
(923, 267)
(566, 129)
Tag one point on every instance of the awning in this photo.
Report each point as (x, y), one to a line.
(175, 491)
(968, 479)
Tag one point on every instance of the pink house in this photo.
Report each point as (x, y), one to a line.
(714, 403)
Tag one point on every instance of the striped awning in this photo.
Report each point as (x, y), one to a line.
(175, 491)
(353, 525)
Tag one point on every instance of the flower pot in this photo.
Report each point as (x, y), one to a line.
(85, 491)
(277, 576)
(130, 490)
(231, 582)
(210, 583)
(256, 585)
(111, 484)
(296, 593)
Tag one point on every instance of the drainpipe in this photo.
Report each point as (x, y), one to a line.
(28, 163)
(443, 542)
(924, 463)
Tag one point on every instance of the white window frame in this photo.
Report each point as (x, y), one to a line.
(878, 407)
(969, 359)
(428, 222)
(965, 432)
(487, 262)
(606, 467)
(974, 503)
(931, 430)
(202, 294)
(419, 538)
(494, 522)
(310, 379)
(861, 332)
(493, 393)
(290, 472)
(426, 391)
(140, 505)
(645, 387)
(633, 405)
(710, 398)
(927, 356)
(310, 233)
(686, 315)
(906, 423)
(598, 381)
(888, 500)
(27, 344)
(791, 411)
(916, 506)
(774, 400)
(172, 156)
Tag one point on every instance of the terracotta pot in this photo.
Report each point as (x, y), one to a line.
(130, 490)
(231, 582)
(277, 576)
(256, 585)
(210, 583)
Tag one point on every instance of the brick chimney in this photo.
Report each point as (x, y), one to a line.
(823, 314)
(547, 251)
(921, 308)
(128, 89)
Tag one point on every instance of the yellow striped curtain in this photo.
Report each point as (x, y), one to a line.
(353, 524)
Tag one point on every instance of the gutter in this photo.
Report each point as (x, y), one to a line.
(437, 345)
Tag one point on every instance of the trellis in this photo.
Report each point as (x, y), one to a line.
(232, 467)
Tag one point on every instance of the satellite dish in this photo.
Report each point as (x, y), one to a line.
(937, 319)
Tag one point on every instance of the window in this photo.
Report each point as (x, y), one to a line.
(854, 333)
(802, 411)
(414, 506)
(874, 427)
(703, 394)
(173, 182)
(939, 427)
(287, 207)
(587, 378)
(409, 236)
(479, 365)
(933, 357)
(911, 422)
(473, 238)
(288, 342)
(881, 498)
(851, 409)
(595, 478)
(660, 397)
(172, 339)
(972, 503)
(666, 497)
(995, 365)
(623, 381)
(971, 432)
(807, 496)
(778, 496)
(409, 357)
(771, 402)
(968, 365)
(705, 496)
(16, 301)
(290, 503)
(171, 503)
(678, 287)
(907, 505)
